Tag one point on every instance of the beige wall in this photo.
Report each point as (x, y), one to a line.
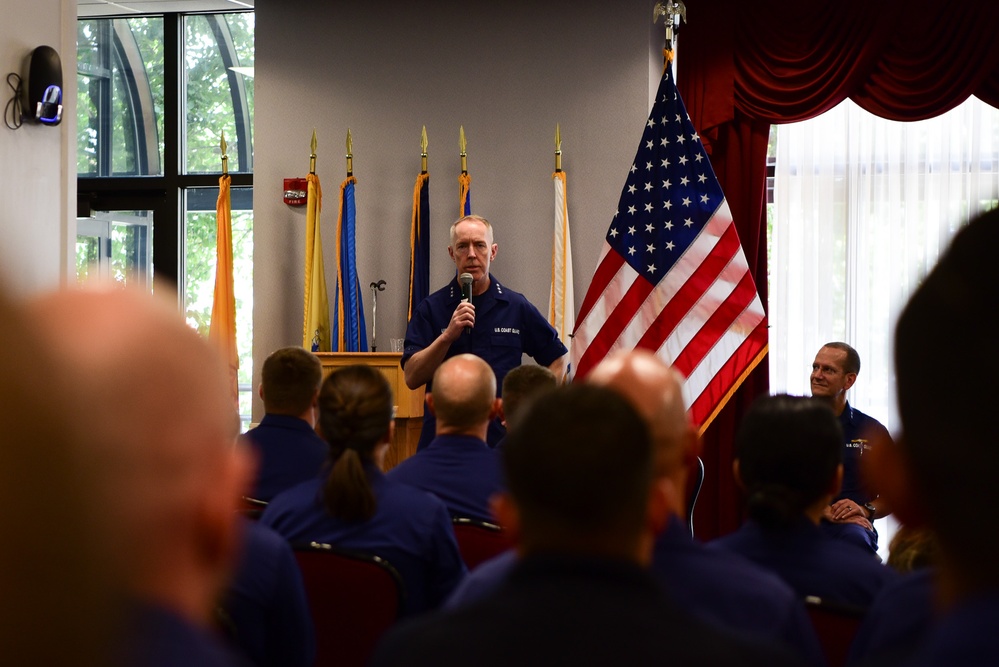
(507, 71)
(37, 163)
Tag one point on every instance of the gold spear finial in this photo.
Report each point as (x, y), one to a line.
(462, 145)
(350, 154)
(225, 155)
(423, 149)
(558, 148)
(312, 158)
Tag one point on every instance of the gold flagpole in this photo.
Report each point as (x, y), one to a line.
(350, 155)
(423, 150)
(558, 148)
(225, 155)
(462, 146)
(312, 158)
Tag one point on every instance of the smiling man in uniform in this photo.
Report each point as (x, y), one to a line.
(852, 513)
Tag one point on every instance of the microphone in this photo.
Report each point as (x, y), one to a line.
(466, 291)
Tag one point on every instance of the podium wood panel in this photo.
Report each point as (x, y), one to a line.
(408, 402)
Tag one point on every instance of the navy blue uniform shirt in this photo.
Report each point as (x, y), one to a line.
(858, 429)
(564, 609)
(966, 635)
(899, 619)
(719, 587)
(506, 327)
(461, 470)
(811, 562)
(290, 452)
(266, 602)
(411, 529)
(858, 432)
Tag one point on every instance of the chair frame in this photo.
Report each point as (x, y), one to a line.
(252, 508)
(360, 556)
(476, 524)
(695, 484)
(363, 556)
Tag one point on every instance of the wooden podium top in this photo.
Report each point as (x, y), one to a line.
(409, 402)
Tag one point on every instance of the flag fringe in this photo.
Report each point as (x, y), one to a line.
(421, 181)
(735, 386)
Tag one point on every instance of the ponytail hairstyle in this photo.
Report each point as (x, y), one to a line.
(355, 410)
(788, 448)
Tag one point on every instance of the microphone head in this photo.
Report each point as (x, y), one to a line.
(465, 279)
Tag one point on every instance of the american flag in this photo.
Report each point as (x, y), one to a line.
(672, 276)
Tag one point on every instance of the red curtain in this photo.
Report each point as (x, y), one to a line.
(742, 66)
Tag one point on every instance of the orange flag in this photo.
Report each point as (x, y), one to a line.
(222, 330)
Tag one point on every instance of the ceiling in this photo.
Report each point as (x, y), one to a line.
(86, 8)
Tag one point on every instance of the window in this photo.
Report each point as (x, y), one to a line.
(862, 209)
(148, 178)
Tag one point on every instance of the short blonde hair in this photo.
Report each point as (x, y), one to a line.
(473, 218)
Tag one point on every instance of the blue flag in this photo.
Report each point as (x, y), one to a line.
(349, 334)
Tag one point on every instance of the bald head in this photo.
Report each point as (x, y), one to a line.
(160, 388)
(464, 395)
(654, 390)
(164, 427)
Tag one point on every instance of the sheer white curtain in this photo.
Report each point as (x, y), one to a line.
(863, 208)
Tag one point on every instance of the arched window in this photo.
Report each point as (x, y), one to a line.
(155, 94)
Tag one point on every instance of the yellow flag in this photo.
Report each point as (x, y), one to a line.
(316, 327)
(222, 329)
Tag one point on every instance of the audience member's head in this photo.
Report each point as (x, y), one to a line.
(355, 418)
(464, 396)
(57, 585)
(520, 386)
(834, 371)
(289, 381)
(947, 397)
(164, 430)
(654, 390)
(579, 470)
(789, 453)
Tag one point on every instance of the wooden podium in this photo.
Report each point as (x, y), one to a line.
(408, 402)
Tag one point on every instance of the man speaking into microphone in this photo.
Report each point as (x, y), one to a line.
(476, 314)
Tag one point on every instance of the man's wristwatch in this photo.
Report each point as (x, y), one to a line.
(871, 511)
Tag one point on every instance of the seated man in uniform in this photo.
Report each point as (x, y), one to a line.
(584, 507)
(500, 325)
(458, 466)
(851, 514)
(285, 440)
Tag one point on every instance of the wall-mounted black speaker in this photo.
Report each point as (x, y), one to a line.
(45, 86)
